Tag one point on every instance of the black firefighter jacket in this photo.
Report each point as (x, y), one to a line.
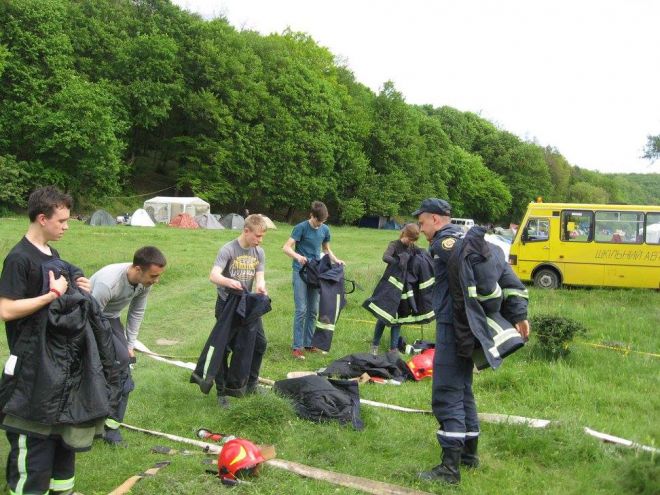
(320, 399)
(488, 300)
(240, 320)
(329, 279)
(404, 294)
(65, 371)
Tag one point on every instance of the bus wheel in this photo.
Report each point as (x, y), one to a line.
(546, 278)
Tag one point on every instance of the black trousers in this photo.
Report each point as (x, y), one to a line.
(37, 465)
(239, 375)
(112, 433)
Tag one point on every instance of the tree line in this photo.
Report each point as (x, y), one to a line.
(110, 97)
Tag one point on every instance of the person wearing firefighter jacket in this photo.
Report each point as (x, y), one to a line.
(239, 265)
(115, 287)
(452, 399)
(60, 380)
(328, 280)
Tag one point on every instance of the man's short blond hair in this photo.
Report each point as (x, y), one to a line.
(256, 223)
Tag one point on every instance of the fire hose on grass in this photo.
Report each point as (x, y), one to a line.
(485, 417)
(356, 482)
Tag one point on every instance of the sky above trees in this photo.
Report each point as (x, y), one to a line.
(579, 76)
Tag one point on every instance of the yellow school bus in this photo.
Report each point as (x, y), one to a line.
(588, 244)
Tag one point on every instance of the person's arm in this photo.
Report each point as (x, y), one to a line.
(325, 247)
(388, 255)
(134, 318)
(290, 251)
(218, 278)
(260, 283)
(13, 309)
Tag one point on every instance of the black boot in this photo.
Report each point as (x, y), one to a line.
(447, 472)
(469, 455)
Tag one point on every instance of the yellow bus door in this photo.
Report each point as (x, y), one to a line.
(535, 246)
(576, 249)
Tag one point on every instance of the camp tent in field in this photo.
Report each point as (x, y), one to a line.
(379, 222)
(164, 208)
(141, 218)
(184, 221)
(269, 222)
(232, 221)
(101, 217)
(208, 221)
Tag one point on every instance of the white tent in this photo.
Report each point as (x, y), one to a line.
(164, 208)
(208, 221)
(141, 219)
(269, 222)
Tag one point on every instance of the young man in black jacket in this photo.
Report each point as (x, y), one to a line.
(41, 457)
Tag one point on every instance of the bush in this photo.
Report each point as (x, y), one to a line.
(554, 333)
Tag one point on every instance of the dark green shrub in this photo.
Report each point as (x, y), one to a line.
(555, 333)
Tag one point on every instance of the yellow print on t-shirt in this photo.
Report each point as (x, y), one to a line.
(243, 268)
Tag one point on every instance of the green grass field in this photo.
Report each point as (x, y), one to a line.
(607, 390)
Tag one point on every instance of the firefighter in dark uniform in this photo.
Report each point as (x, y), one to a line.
(452, 399)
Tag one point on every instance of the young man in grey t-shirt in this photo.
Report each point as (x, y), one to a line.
(241, 263)
(115, 287)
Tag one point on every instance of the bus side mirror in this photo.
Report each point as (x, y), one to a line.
(524, 236)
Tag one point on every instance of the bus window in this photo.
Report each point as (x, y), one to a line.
(577, 226)
(652, 228)
(619, 227)
(537, 229)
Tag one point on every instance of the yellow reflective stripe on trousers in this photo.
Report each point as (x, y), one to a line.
(407, 295)
(472, 291)
(515, 292)
(493, 324)
(413, 319)
(395, 283)
(426, 284)
(112, 424)
(338, 307)
(387, 317)
(22, 464)
(207, 363)
(325, 326)
(61, 485)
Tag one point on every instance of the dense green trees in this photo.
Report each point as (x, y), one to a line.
(107, 97)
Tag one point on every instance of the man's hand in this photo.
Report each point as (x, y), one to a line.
(234, 284)
(261, 290)
(84, 284)
(523, 329)
(59, 284)
(131, 352)
(339, 262)
(302, 260)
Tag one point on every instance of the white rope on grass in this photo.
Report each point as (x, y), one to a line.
(485, 417)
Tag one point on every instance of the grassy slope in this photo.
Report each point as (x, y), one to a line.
(606, 390)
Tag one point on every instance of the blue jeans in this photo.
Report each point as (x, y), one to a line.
(394, 334)
(306, 301)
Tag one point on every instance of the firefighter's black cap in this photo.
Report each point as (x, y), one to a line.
(435, 206)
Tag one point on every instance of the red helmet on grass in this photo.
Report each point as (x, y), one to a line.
(421, 365)
(238, 458)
